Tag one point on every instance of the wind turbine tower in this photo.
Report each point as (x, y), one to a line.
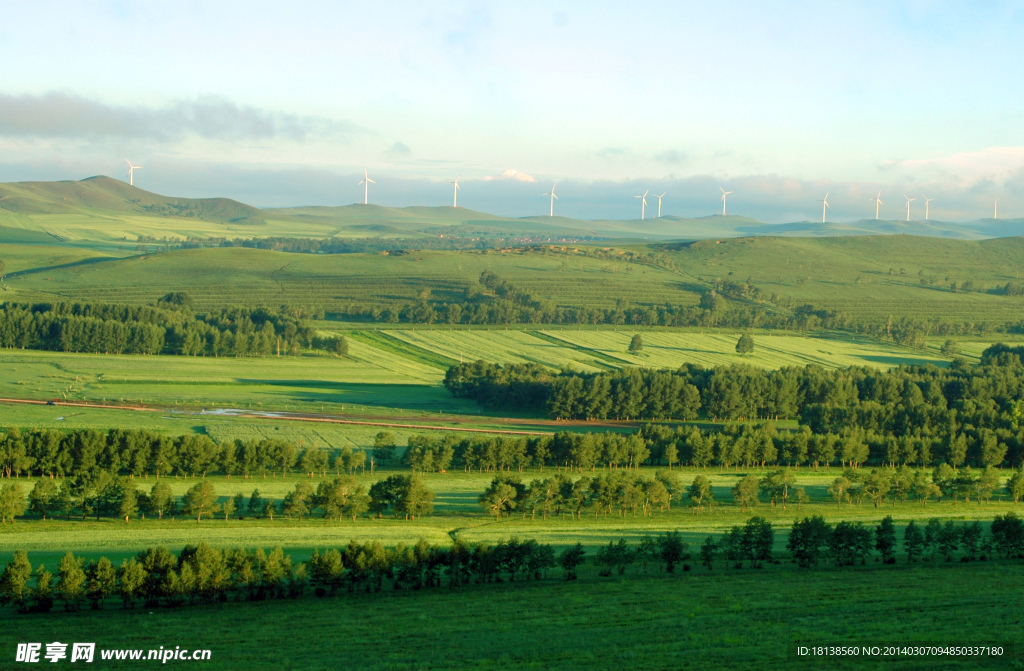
(551, 213)
(131, 172)
(995, 209)
(659, 204)
(724, 194)
(926, 201)
(824, 206)
(366, 182)
(643, 204)
(877, 200)
(909, 201)
(455, 201)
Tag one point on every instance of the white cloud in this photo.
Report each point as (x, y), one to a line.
(511, 174)
(995, 164)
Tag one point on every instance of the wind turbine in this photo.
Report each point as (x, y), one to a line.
(455, 201)
(724, 194)
(366, 182)
(926, 201)
(131, 174)
(909, 201)
(643, 204)
(659, 204)
(824, 206)
(995, 209)
(553, 199)
(877, 200)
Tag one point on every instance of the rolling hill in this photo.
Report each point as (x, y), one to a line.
(106, 211)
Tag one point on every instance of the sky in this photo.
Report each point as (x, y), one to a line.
(285, 104)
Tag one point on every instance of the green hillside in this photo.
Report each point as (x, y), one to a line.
(868, 278)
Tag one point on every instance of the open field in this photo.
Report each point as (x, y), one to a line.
(654, 621)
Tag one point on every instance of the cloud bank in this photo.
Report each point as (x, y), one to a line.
(61, 115)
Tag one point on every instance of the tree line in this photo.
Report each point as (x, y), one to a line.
(171, 326)
(122, 497)
(910, 414)
(204, 574)
(139, 452)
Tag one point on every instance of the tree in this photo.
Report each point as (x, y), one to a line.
(129, 505)
(14, 587)
(102, 581)
(255, 506)
(269, 508)
(228, 508)
(238, 503)
(296, 502)
(745, 492)
(570, 560)
(1015, 485)
(807, 538)
(745, 345)
(885, 540)
(672, 550)
(12, 502)
(636, 345)
(617, 556)
(498, 498)
(43, 497)
(708, 549)
(913, 541)
(839, 489)
(199, 500)
(71, 581)
(414, 499)
(698, 492)
(877, 485)
(384, 447)
(130, 579)
(800, 494)
(950, 348)
(161, 499)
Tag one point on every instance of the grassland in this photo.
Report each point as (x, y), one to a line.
(654, 621)
(851, 275)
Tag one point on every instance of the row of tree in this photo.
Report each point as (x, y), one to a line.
(206, 574)
(138, 452)
(121, 497)
(169, 327)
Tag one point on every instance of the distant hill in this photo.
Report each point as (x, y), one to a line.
(105, 210)
(110, 195)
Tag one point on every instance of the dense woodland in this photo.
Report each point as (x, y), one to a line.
(168, 327)
(911, 414)
(204, 574)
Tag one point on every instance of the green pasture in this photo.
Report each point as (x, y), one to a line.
(725, 618)
(670, 349)
(229, 276)
(852, 274)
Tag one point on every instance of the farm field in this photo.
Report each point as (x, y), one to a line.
(230, 276)
(397, 370)
(654, 621)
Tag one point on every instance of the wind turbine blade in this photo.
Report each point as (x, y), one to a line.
(554, 196)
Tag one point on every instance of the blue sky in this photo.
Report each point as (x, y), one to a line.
(284, 104)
